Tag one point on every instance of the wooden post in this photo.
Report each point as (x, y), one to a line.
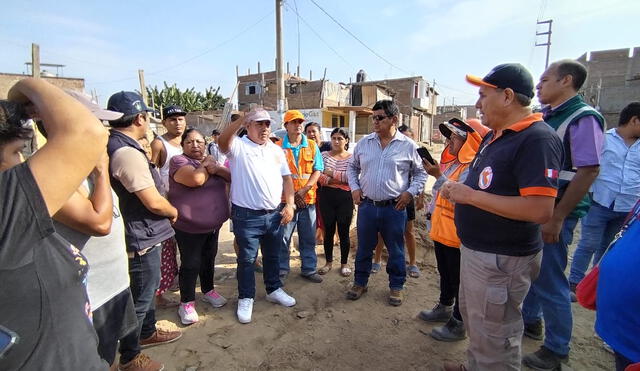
(143, 87)
(35, 60)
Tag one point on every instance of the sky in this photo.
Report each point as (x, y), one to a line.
(200, 43)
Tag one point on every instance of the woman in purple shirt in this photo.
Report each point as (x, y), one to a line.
(197, 188)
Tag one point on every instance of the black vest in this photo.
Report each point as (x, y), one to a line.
(143, 228)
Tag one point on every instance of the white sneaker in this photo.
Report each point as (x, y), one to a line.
(216, 300)
(187, 313)
(282, 298)
(245, 307)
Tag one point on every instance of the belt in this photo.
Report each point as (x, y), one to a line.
(255, 212)
(383, 203)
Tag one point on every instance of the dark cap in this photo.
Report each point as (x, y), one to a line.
(128, 103)
(173, 110)
(456, 126)
(509, 75)
(215, 132)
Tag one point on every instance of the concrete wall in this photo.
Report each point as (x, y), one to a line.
(613, 80)
(7, 80)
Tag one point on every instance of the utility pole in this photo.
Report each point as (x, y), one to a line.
(35, 60)
(143, 89)
(548, 43)
(281, 104)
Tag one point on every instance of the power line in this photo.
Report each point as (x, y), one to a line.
(195, 56)
(215, 47)
(357, 39)
(321, 39)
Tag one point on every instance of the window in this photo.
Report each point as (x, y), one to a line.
(337, 121)
(252, 88)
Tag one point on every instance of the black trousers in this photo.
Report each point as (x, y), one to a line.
(336, 207)
(197, 257)
(448, 260)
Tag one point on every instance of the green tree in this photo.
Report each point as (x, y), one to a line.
(190, 99)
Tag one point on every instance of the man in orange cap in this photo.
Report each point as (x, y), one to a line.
(306, 165)
(508, 194)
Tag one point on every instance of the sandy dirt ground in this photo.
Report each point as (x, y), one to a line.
(324, 331)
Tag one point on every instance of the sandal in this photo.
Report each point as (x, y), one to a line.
(375, 267)
(345, 271)
(324, 270)
(413, 271)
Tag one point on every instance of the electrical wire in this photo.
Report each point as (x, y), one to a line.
(195, 56)
(321, 39)
(358, 39)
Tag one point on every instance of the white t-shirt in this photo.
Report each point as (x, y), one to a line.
(256, 173)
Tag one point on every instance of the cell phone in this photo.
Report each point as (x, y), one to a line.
(424, 153)
(8, 339)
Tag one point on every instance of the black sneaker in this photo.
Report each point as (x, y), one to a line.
(534, 330)
(544, 359)
(439, 313)
(313, 277)
(451, 331)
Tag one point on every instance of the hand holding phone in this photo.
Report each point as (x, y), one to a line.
(424, 153)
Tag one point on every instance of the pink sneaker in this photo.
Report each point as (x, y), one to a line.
(216, 300)
(187, 313)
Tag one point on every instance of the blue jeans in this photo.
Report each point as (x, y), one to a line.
(305, 220)
(599, 227)
(549, 295)
(144, 273)
(390, 223)
(257, 229)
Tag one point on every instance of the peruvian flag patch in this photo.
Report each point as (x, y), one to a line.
(551, 173)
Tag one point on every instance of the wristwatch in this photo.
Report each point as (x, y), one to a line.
(293, 206)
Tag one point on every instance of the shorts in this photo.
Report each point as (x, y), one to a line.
(411, 211)
(112, 321)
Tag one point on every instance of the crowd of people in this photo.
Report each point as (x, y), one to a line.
(94, 221)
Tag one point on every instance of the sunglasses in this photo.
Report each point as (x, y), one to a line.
(379, 117)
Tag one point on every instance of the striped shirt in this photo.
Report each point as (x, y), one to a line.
(339, 168)
(383, 174)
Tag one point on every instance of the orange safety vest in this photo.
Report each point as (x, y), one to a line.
(301, 173)
(443, 228)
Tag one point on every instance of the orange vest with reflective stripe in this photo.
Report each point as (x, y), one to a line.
(302, 172)
(443, 229)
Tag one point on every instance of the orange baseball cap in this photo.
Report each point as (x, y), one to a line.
(293, 114)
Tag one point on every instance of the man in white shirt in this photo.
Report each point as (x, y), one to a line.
(259, 174)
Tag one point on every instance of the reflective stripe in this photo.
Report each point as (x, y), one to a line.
(303, 176)
(562, 129)
(566, 175)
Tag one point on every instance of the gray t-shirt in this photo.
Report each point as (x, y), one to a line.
(107, 256)
(43, 296)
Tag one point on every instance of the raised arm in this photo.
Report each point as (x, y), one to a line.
(76, 140)
(91, 215)
(225, 139)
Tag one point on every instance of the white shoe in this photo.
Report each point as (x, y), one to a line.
(216, 300)
(245, 307)
(187, 313)
(282, 298)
